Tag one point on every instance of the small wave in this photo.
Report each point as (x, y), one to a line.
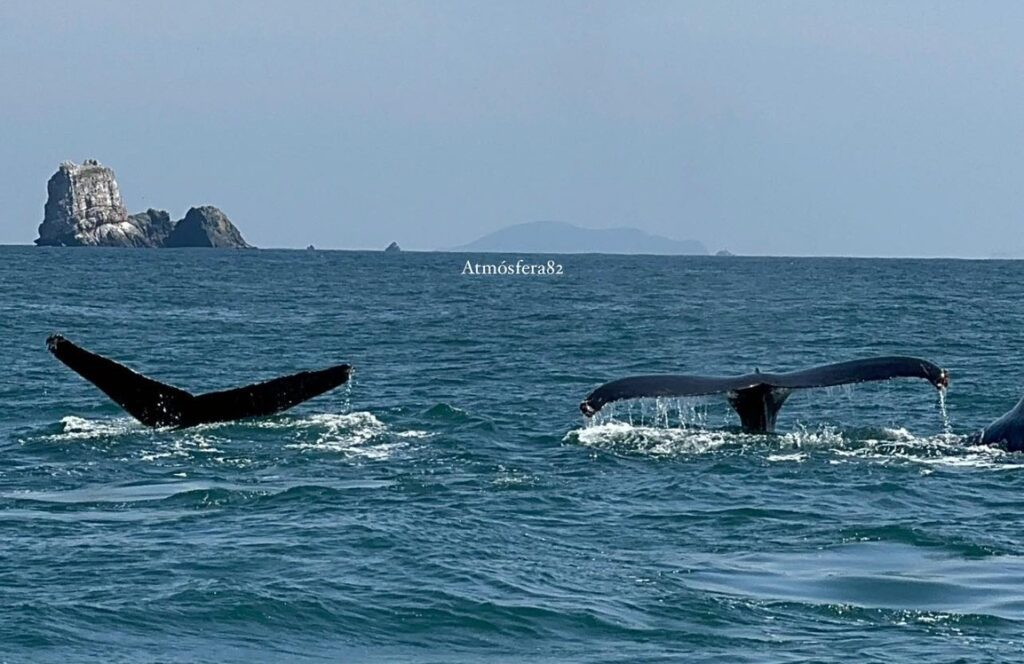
(123, 494)
(194, 494)
(798, 457)
(899, 434)
(414, 433)
(213, 496)
(74, 428)
(229, 496)
(443, 411)
(452, 415)
(894, 578)
(954, 621)
(920, 539)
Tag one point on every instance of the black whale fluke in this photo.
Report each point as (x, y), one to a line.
(757, 397)
(156, 404)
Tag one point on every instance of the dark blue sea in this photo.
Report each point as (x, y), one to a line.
(451, 504)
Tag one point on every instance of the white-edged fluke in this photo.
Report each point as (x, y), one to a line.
(757, 397)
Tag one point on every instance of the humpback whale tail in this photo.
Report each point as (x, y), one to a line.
(757, 397)
(156, 404)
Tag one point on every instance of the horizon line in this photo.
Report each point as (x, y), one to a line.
(554, 253)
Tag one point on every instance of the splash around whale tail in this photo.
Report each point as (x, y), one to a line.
(757, 397)
(157, 404)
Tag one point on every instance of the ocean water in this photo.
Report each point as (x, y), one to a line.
(451, 504)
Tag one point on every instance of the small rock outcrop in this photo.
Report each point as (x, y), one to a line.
(84, 209)
(155, 225)
(724, 252)
(392, 248)
(206, 226)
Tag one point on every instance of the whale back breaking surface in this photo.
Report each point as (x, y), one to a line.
(1008, 431)
(157, 404)
(757, 397)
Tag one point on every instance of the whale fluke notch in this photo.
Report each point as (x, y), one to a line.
(757, 397)
(157, 404)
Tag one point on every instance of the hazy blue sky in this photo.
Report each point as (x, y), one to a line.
(864, 128)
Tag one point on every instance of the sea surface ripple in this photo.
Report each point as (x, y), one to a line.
(451, 504)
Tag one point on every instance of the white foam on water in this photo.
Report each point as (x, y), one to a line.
(508, 477)
(186, 447)
(942, 450)
(358, 434)
(654, 441)
(823, 437)
(886, 446)
(900, 434)
(79, 428)
(413, 433)
(798, 457)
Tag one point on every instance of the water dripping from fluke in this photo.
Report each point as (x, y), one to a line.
(947, 427)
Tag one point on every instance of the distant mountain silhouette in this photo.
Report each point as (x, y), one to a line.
(557, 237)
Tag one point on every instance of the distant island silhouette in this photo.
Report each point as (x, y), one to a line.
(558, 237)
